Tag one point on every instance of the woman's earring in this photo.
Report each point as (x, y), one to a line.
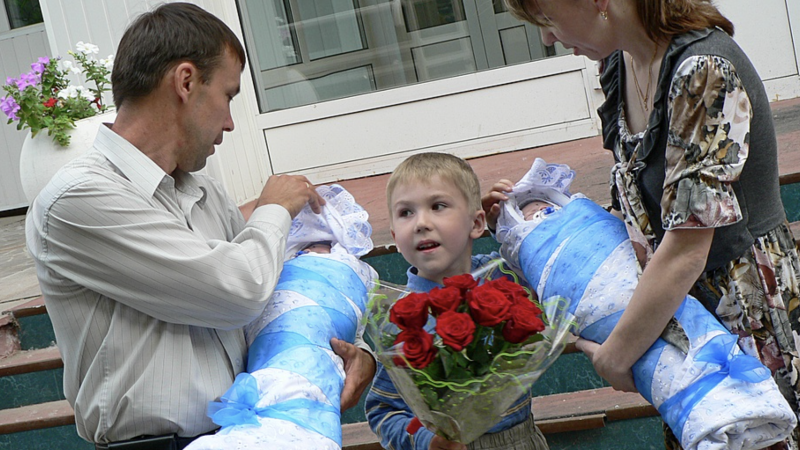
(604, 15)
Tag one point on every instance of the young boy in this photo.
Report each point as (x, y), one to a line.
(435, 214)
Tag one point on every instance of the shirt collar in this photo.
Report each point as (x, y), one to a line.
(418, 284)
(142, 171)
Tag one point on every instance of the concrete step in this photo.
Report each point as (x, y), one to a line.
(558, 413)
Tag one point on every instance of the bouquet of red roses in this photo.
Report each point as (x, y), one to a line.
(462, 354)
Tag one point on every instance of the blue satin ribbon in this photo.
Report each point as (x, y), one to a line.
(238, 408)
(298, 341)
(586, 233)
(335, 273)
(719, 350)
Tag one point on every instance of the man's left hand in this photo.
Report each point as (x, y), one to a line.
(359, 369)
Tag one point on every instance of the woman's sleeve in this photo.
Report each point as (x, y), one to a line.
(707, 146)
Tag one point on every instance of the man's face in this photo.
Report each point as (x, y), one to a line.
(434, 227)
(210, 113)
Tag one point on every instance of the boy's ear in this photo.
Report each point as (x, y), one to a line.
(478, 224)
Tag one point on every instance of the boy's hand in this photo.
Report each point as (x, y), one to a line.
(490, 202)
(359, 369)
(440, 443)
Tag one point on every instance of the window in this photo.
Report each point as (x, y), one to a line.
(22, 13)
(306, 51)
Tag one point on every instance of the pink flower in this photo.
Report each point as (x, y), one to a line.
(10, 107)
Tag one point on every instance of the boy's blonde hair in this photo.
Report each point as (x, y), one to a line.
(422, 167)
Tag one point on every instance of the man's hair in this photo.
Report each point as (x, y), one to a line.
(662, 19)
(160, 39)
(422, 167)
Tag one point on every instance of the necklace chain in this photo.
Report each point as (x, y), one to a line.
(644, 97)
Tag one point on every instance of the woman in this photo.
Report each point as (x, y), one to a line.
(684, 108)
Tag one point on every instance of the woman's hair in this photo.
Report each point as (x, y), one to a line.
(662, 19)
(422, 167)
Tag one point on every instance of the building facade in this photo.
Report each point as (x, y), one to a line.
(348, 88)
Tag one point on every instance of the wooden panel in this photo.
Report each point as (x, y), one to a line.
(34, 417)
(562, 425)
(31, 361)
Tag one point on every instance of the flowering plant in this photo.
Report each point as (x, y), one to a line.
(461, 355)
(44, 99)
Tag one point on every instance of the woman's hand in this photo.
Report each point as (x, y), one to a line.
(490, 202)
(619, 375)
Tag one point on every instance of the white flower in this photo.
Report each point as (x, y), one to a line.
(108, 63)
(87, 48)
(68, 92)
(70, 67)
(85, 93)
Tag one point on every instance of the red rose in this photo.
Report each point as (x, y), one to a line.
(456, 329)
(410, 312)
(463, 282)
(513, 291)
(444, 299)
(417, 348)
(524, 322)
(488, 306)
(528, 304)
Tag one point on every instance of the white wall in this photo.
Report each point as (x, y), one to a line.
(766, 37)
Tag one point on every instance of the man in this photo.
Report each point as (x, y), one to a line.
(149, 272)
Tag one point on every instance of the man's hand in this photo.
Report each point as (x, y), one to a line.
(440, 443)
(490, 202)
(359, 369)
(620, 378)
(292, 192)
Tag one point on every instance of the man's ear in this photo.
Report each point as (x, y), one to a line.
(185, 80)
(478, 224)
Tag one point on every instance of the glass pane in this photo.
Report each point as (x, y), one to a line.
(422, 14)
(515, 45)
(308, 51)
(273, 34)
(22, 13)
(330, 27)
(444, 60)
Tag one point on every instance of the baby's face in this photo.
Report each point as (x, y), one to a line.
(532, 208)
(318, 247)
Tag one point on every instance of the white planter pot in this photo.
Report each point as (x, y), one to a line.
(41, 157)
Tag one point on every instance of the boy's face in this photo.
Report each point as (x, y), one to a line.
(434, 227)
